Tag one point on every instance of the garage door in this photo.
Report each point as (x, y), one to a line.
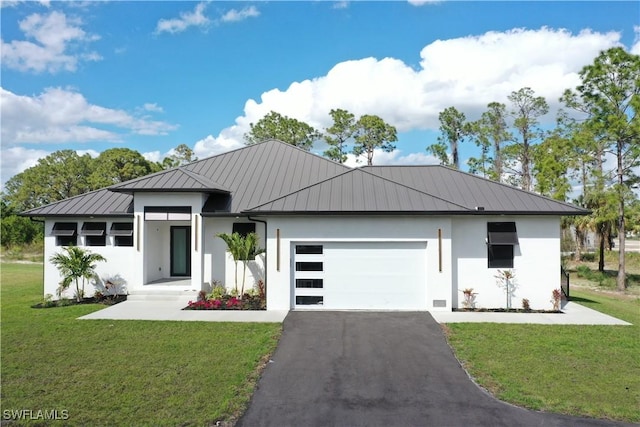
(360, 275)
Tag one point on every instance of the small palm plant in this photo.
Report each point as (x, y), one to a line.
(76, 265)
(241, 248)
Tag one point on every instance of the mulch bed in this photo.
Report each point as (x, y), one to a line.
(110, 300)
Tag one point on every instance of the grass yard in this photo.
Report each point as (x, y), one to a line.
(105, 372)
(591, 371)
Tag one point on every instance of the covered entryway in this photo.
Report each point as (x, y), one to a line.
(359, 275)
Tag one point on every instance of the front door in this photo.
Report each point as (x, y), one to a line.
(181, 250)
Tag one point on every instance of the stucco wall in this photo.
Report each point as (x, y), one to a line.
(357, 229)
(119, 258)
(218, 262)
(536, 261)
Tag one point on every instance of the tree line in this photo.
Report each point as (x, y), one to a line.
(64, 174)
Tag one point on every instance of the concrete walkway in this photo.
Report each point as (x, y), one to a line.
(572, 314)
(149, 309)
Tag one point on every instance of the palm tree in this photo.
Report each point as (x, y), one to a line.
(249, 251)
(241, 248)
(76, 264)
(235, 244)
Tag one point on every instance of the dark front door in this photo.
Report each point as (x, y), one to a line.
(181, 251)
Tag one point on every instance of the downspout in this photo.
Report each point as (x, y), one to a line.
(266, 268)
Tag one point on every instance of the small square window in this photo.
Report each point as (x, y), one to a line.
(122, 233)
(500, 256)
(94, 233)
(65, 233)
(244, 228)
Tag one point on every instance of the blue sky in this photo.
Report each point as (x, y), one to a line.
(90, 76)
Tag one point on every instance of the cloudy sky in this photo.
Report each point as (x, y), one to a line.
(90, 76)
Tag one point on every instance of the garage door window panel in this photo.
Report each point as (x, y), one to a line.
(309, 249)
(309, 266)
(309, 283)
(309, 300)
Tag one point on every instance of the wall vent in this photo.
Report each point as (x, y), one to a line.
(439, 302)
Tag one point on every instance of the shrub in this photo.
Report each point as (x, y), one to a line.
(525, 304)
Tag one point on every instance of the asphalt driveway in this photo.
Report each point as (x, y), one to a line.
(376, 369)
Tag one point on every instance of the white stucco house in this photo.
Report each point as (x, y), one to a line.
(377, 238)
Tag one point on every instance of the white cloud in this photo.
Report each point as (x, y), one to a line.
(13, 3)
(56, 40)
(60, 115)
(234, 15)
(186, 20)
(340, 5)
(394, 157)
(422, 2)
(153, 107)
(16, 159)
(210, 146)
(635, 49)
(467, 72)
(153, 156)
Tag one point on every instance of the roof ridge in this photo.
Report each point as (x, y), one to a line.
(419, 191)
(511, 187)
(23, 213)
(265, 141)
(202, 179)
(355, 170)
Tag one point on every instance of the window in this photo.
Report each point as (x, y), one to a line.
(501, 238)
(244, 228)
(309, 249)
(122, 233)
(308, 266)
(309, 283)
(309, 300)
(65, 233)
(94, 233)
(170, 213)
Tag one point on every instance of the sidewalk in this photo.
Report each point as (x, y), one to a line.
(573, 314)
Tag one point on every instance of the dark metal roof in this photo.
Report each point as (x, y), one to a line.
(358, 191)
(95, 203)
(178, 179)
(476, 193)
(257, 174)
(273, 176)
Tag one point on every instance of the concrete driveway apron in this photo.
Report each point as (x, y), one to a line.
(377, 369)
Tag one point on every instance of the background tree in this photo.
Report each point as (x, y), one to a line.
(118, 165)
(286, 129)
(453, 129)
(75, 264)
(490, 132)
(60, 175)
(526, 109)
(372, 132)
(343, 128)
(610, 97)
(17, 230)
(181, 155)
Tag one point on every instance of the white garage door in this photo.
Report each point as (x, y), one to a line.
(360, 275)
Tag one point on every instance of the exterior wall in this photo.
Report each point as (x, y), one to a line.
(357, 229)
(536, 261)
(218, 262)
(119, 262)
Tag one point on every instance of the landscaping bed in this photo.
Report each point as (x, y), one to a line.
(64, 302)
(506, 310)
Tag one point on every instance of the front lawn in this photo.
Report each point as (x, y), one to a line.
(591, 371)
(105, 372)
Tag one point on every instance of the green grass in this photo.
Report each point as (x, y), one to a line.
(106, 372)
(591, 371)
